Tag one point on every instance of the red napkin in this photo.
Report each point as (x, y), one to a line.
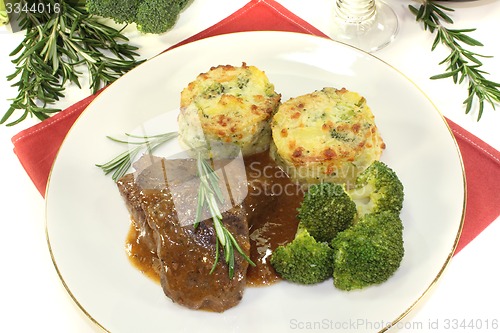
(37, 146)
(482, 171)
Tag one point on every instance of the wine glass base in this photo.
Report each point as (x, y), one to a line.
(368, 36)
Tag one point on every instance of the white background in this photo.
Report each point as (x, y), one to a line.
(32, 298)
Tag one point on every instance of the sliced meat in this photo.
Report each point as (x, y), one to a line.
(186, 254)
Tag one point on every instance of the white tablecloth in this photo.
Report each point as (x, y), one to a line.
(32, 297)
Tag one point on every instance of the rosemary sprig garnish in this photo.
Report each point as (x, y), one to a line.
(122, 162)
(462, 63)
(210, 195)
(56, 47)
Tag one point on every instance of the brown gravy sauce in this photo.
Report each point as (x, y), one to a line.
(271, 205)
(139, 254)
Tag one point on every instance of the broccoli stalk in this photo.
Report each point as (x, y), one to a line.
(304, 260)
(326, 210)
(377, 189)
(151, 16)
(369, 252)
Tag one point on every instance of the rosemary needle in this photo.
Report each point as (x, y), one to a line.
(120, 164)
(463, 64)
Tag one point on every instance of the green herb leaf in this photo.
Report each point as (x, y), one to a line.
(56, 44)
(210, 195)
(120, 164)
(463, 64)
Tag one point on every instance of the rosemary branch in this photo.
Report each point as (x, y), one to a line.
(57, 45)
(463, 64)
(209, 195)
(120, 164)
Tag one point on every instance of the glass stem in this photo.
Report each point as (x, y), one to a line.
(355, 11)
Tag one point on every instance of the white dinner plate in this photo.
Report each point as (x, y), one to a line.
(87, 221)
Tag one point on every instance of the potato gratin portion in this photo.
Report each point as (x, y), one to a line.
(328, 135)
(230, 105)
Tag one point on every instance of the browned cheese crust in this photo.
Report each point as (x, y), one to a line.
(327, 135)
(231, 105)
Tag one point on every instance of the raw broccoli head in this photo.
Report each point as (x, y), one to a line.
(121, 11)
(369, 252)
(326, 210)
(377, 189)
(151, 16)
(304, 260)
(157, 16)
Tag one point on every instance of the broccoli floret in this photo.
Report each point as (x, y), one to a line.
(377, 189)
(304, 260)
(121, 11)
(151, 16)
(326, 210)
(157, 16)
(369, 252)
